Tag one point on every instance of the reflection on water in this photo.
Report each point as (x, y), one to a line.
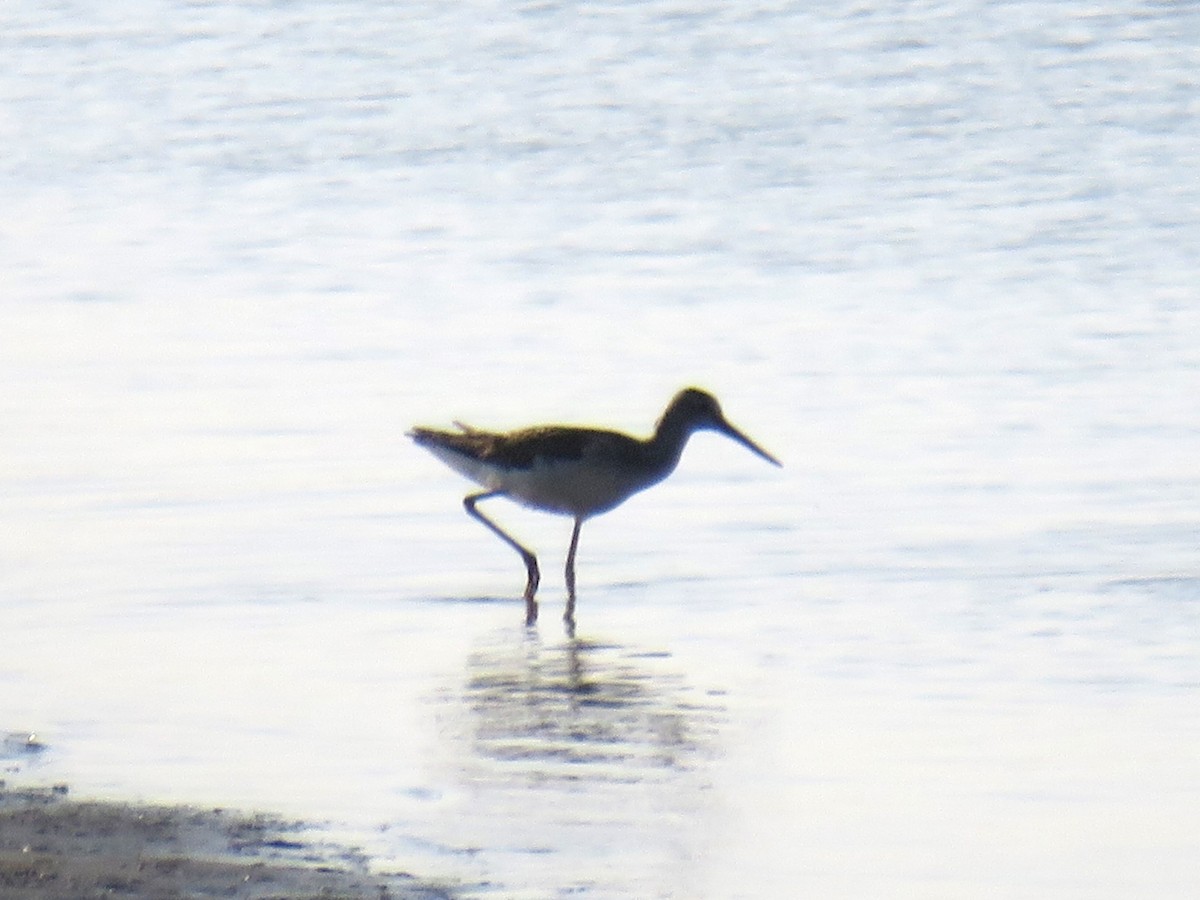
(584, 757)
(584, 709)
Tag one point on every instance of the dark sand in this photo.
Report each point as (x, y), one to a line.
(55, 848)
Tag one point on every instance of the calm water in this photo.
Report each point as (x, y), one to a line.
(939, 258)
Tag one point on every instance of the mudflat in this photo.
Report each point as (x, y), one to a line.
(56, 848)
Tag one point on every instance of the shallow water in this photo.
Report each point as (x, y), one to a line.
(940, 261)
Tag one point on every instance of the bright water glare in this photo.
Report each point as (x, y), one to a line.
(940, 258)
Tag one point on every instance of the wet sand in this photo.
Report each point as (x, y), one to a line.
(56, 848)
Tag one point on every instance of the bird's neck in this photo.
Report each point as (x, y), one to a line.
(670, 437)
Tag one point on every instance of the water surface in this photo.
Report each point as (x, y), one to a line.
(939, 259)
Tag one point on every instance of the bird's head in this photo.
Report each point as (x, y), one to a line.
(694, 410)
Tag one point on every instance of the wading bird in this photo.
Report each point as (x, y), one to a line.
(577, 472)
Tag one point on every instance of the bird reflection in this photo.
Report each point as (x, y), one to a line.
(584, 709)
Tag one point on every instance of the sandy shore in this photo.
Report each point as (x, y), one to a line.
(56, 848)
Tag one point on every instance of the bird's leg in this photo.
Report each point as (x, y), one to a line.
(569, 615)
(531, 566)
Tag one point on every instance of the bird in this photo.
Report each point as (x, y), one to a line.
(573, 471)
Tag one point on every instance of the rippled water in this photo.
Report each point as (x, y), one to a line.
(940, 259)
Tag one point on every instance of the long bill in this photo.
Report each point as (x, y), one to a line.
(729, 431)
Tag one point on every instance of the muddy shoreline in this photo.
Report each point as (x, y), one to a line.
(55, 847)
